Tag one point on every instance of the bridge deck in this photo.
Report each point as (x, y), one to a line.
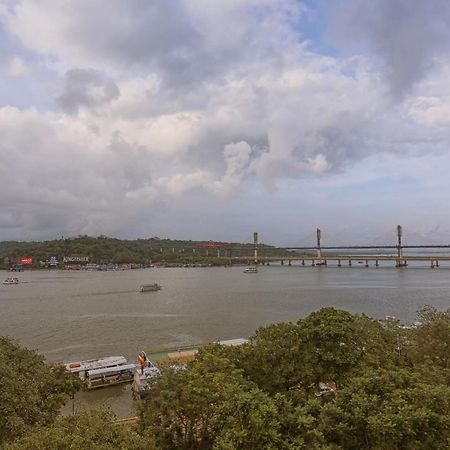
(347, 257)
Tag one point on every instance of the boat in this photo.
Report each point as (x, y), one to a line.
(11, 281)
(251, 270)
(110, 376)
(142, 379)
(81, 368)
(150, 287)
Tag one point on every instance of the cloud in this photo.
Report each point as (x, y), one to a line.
(17, 67)
(187, 47)
(408, 38)
(149, 108)
(86, 88)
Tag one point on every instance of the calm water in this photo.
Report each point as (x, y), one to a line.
(79, 315)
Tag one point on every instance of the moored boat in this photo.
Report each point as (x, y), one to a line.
(11, 281)
(81, 368)
(110, 376)
(142, 379)
(251, 270)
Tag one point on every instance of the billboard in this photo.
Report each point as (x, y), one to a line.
(53, 261)
(73, 259)
(26, 261)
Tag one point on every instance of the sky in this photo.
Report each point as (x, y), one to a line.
(209, 120)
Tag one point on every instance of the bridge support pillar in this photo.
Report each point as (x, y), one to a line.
(376, 263)
(313, 263)
(289, 263)
(367, 263)
(350, 262)
(401, 263)
(339, 263)
(282, 262)
(437, 263)
(432, 264)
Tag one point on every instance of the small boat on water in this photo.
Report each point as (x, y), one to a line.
(150, 287)
(11, 281)
(251, 270)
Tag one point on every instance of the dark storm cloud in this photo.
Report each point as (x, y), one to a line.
(86, 87)
(408, 37)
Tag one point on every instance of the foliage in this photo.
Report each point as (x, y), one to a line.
(273, 359)
(87, 430)
(329, 345)
(333, 344)
(431, 338)
(210, 405)
(31, 393)
(391, 409)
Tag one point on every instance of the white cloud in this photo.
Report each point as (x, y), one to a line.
(17, 67)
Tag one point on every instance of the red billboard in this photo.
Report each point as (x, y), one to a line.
(26, 261)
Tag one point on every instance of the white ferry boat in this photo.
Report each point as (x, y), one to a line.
(81, 368)
(251, 270)
(11, 281)
(110, 376)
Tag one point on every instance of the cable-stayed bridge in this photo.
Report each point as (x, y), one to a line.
(322, 255)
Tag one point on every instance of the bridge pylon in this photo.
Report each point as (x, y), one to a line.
(400, 260)
(319, 250)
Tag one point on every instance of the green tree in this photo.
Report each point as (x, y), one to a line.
(431, 338)
(88, 430)
(31, 393)
(210, 405)
(386, 410)
(332, 344)
(273, 359)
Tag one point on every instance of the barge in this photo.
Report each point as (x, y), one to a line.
(150, 287)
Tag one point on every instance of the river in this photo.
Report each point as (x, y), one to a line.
(69, 316)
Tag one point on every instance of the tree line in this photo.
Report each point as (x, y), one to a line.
(392, 391)
(120, 251)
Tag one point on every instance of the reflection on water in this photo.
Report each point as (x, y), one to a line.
(81, 315)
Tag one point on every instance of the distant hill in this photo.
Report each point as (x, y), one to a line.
(104, 249)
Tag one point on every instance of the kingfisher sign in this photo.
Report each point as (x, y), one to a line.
(26, 261)
(76, 259)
